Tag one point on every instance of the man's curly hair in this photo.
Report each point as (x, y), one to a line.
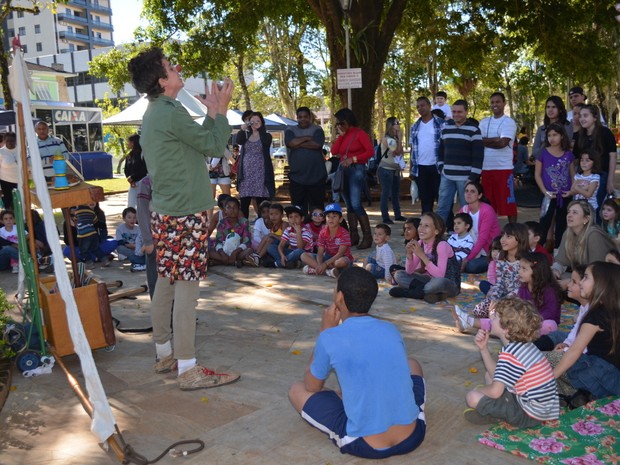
(146, 69)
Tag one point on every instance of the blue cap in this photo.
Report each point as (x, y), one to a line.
(333, 207)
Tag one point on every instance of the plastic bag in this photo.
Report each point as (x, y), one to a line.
(545, 206)
(414, 192)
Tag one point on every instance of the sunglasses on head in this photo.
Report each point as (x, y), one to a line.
(318, 214)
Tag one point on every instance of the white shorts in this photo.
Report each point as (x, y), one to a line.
(225, 181)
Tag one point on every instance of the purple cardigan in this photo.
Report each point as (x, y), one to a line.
(488, 228)
(550, 307)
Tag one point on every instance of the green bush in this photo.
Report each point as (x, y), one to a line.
(5, 307)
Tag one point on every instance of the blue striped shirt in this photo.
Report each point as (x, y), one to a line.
(413, 140)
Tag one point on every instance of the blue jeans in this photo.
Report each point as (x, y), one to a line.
(432, 286)
(353, 186)
(477, 265)
(375, 269)
(8, 253)
(595, 375)
(390, 187)
(292, 255)
(447, 189)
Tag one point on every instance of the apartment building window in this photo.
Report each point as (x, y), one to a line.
(10, 15)
(39, 47)
(25, 48)
(11, 33)
(20, 14)
(37, 29)
(22, 31)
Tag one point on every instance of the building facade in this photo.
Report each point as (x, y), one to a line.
(76, 25)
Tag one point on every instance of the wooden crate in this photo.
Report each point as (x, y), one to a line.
(94, 309)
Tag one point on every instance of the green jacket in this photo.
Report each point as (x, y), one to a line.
(175, 149)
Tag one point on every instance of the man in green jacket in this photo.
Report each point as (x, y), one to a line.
(175, 150)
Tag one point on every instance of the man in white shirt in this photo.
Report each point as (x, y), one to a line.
(424, 139)
(498, 134)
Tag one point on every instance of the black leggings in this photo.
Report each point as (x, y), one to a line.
(245, 205)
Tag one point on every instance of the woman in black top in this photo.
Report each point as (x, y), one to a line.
(135, 169)
(594, 136)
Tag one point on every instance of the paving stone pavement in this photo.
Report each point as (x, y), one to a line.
(261, 323)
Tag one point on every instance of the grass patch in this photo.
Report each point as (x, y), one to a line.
(111, 185)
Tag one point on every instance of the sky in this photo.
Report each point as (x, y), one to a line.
(125, 19)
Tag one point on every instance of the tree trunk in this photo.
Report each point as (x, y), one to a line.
(240, 64)
(371, 37)
(6, 91)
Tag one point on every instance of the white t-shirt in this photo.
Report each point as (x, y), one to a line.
(447, 110)
(504, 127)
(8, 165)
(426, 143)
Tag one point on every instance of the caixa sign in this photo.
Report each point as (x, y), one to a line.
(76, 116)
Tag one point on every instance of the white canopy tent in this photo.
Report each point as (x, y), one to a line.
(132, 115)
(281, 119)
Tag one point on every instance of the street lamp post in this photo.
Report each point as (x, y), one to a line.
(346, 8)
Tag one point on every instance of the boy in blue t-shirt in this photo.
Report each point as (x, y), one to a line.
(381, 411)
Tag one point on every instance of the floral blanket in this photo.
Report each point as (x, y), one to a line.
(589, 435)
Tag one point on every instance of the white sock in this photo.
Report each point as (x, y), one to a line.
(163, 350)
(186, 365)
(470, 321)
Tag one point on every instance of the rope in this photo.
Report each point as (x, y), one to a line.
(131, 456)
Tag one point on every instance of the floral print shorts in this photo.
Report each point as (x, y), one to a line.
(181, 245)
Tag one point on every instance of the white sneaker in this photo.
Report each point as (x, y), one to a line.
(309, 270)
(332, 273)
(15, 269)
(461, 319)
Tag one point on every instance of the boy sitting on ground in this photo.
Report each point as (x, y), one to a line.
(296, 239)
(461, 241)
(334, 246)
(277, 227)
(380, 412)
(520, 389)
(384, 258)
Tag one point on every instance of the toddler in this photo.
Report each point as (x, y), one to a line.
(379, 265)
(277, 227)
(261, 225)
(461, 241)
(126, 235)
(316, 222)
(9, 254)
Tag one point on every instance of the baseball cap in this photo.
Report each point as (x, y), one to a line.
(293, 209)
(333, 207)
(576, 90)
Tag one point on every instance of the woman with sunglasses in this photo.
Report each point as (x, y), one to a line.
(390, 168)
(354, 149)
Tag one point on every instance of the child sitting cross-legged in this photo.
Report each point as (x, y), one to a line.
(384, 258)
(232, 239)
(126, 235)
(296, 239)
(538, 285)
(276, 228)
(520, 388)
(334, 246)
(461, 241)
